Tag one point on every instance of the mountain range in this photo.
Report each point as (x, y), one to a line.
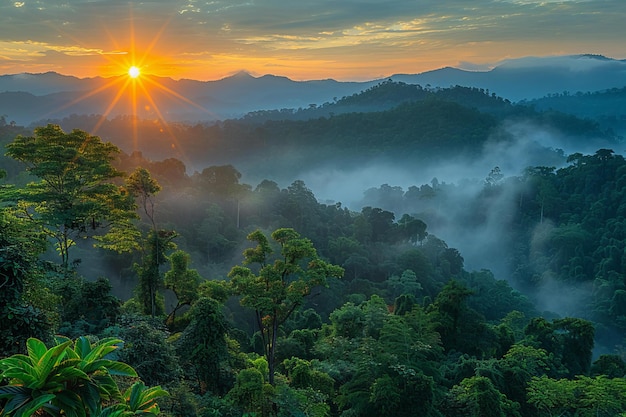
(31, 98)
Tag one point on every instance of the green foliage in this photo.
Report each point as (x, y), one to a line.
(552, 397)
(26, 306)
(182, 281)
(75, 196)
(250, 393)
(407, 283)
(89, 303)
(518, 366)
(569, 340)
(143, 187)
(477, 397)
(601, 396)
(148, 350)
(584, 396)
(220, 291)
(280, 287)
(203, 348)
(612, 366)
(72, 378)
(157, 244)
(455, 319)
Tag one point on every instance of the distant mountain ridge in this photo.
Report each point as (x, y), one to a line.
(27, 98)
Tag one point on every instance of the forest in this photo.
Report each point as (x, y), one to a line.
(134, 285)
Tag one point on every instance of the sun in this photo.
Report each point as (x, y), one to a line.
(136, 86)
(133, 72)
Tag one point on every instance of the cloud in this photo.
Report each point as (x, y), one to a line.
(379, 37)
(575, 63)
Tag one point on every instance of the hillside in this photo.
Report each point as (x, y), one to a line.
(477, 248)
(52, 95)
(607, 107)
(416, 126)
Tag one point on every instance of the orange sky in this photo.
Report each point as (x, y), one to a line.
(346, 40)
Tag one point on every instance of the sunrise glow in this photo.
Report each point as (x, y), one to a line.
(133, 72)
(130, 83)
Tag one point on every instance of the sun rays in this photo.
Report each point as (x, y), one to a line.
(135, 87)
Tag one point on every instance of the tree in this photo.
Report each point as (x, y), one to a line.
(88, 306)
(204, 348)
(450, 313)
(144, 187)
(148, 349)
(182, 281)
(477, 397)
(412, 229)
(150, 277)
(570, 340)
(20, 276)
(602, 396)
(551, 397)
(518, 366)
(279, 287)
(250, 392)
(75, 196)
(406, 283)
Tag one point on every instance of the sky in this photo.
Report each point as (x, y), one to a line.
(346, 40)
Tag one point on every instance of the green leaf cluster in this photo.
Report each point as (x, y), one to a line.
(73, 378)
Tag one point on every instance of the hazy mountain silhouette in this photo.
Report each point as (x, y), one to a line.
(530, 78)
(28, 98)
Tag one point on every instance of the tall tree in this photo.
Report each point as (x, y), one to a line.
(278, 288)
(75, 195)
(182, 281)
(203, 347)
(158, 243)
(143, 187)
(20, 282)
(141, 184)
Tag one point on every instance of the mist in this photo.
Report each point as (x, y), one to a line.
(461, 184)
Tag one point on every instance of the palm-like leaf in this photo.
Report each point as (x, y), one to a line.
(71, 403)
(18, 397)
(72, 378)
(19, 371)
(36, 349)
(112, 367)
(117, 410)
(34, 405)
(44, 364)
(97, 351)
(142, 400)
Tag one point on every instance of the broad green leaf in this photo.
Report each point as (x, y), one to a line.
(107, 387)
(118, 410)
(48, 362)
(36, 349)
(18, 397)
(71, 373)
(34, 405)
(71, 403)
(24, 373)
(91, 398)
(144, 399)
(102, 348)
(82, 347)
(115, 367)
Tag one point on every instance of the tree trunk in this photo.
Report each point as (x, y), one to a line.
(271, 351)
